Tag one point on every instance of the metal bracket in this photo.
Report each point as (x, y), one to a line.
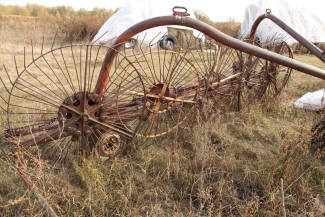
(180, 13)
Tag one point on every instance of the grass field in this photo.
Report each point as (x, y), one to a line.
(222, 165)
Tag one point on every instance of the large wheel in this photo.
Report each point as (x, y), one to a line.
(172, 87)
(277, 75)
(252, 80)
(219, 68)
(52, 102)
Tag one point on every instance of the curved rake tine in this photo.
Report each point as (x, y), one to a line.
(94, 42)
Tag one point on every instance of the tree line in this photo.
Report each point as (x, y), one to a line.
(58, 11)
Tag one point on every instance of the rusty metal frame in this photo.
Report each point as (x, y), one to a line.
(207, 30)
(320, 54)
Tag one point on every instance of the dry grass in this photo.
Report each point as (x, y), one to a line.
(19, 30)
(222, 165)
(82, 28)
(300, 49)
(229, 28)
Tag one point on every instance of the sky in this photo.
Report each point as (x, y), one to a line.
(217, 10)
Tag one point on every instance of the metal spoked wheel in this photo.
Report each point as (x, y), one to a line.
(252, 80)
(172, 87)
(277, 75)
(53, 108)
(219, 67)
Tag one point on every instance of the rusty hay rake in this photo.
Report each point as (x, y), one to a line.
(93, 100)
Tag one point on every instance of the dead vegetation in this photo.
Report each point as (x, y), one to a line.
(221, 165)
(230, 27)
(299, 49)
(82, 28)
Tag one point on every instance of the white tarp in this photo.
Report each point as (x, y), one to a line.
(302, 21)
(135, 12)
(311, 101)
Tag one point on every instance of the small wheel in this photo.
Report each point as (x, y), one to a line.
(168, 42)
(109, 144)
(276, 75)
(172, 87)
(219, 68)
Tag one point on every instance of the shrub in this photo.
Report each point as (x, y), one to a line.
(82, 28)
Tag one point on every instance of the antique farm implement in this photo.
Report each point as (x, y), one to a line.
(89, 99)
(93, 99)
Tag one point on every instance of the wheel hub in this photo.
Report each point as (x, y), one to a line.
(156, 89)
(76, 107)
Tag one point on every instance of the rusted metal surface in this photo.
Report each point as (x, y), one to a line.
(310, 46)
(209, 31)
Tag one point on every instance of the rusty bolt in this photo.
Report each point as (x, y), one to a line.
(97, 127)
(64, 134)
(85, 117)
(70, 130)
(88, 133)
(77, 133)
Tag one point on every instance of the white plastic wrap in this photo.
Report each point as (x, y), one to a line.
(302, 21)
(311, 101)
(135, 12)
